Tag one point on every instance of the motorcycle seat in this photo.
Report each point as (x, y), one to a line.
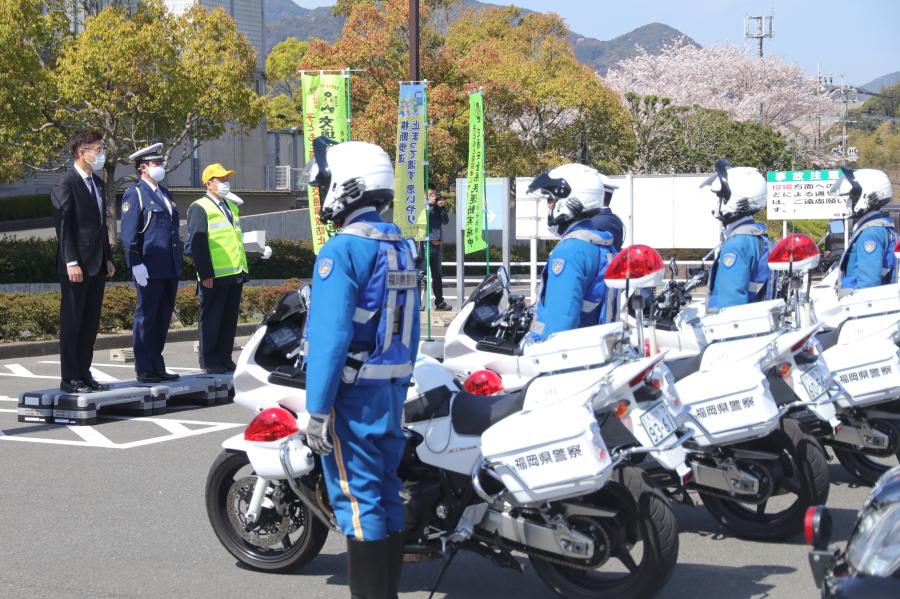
(297, 380)
(682, 367)
(474, 414)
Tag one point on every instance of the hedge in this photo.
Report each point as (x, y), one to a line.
(22, 207)
(34, 261)
(35, 316)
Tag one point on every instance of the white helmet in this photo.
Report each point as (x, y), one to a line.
(577, 191)
(349, 175)
(741, 191)
(865, 188)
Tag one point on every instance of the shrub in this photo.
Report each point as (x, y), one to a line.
(34, 261)
(119, 302)
(22, 207)
(187, 306)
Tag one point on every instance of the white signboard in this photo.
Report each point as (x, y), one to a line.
(803, 195)
(668, 211)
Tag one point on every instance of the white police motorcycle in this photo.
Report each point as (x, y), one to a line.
(755, 474)
(859, 341)
(528, 471)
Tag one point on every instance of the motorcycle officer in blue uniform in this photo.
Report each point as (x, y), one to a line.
(363, 338)
(868, 260)
(606, 219)
(573, 292)
(150, 222)
(740, 271)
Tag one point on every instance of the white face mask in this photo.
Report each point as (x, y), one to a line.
(223, 189)
(157, 173)
(99, 161)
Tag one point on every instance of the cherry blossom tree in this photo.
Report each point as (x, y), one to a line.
(731, 79)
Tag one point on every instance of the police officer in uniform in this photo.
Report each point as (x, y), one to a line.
(363, 338)
(740, 272)
(868, 261)
(216, 244)
(573, 292)
(152, 247)
(606, 219)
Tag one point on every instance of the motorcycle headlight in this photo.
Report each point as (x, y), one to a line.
(874, 547)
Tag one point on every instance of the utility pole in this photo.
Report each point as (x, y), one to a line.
(823, 81)
(759, 28)
(844, 98)
(414, 40)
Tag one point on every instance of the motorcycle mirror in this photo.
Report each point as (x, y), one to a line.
(306, 292)
(673, 266)
(503, 276)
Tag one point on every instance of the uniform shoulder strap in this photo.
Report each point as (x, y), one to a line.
(749, 229)
(370, 231)
(590, 237)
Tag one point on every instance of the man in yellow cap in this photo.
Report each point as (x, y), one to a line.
(215, 243)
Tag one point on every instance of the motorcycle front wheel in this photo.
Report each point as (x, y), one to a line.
(805, 482)
(286, 535)
(641, 543)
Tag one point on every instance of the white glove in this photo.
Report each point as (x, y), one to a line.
(267, 253)
(234, 198)
(140, 274)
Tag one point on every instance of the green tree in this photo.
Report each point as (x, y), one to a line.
(673, 138)
(283, 84)
(138, 77)
(877, 109)
(542, 106)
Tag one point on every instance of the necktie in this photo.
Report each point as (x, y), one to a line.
(90, 183)
(224, 208)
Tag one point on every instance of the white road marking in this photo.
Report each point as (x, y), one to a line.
(91, 437)
(30, 376)
(6, 398)
(102, 377)
(19, 370)
(129, 366)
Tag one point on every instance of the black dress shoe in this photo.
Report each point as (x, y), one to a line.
(149, 378)
(168, 376)
(442, 305)
(74, 386)
(230, 366)
(95, 386)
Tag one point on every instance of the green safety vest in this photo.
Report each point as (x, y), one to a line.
(226, 242)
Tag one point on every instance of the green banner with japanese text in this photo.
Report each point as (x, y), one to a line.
(326, 99)
(474, 217)
(409, 172)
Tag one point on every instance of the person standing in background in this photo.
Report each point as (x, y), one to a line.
(216, 244)
(437, 218)
(153, 253)
(82, 259)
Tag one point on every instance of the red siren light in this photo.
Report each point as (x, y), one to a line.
(640, 265)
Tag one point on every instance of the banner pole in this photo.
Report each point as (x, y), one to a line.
(427, 244)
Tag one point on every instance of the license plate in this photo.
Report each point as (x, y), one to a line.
(815, 383)
(658, 424)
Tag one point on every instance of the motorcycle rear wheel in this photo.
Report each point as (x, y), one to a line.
(806, 464)
(862, 467)
(226, 495)
(644, 523)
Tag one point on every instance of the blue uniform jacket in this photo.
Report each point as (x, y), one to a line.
(607, 221)
(740, 274)
(149, 233)
(343, 267)
(869, 260)
(573, 276)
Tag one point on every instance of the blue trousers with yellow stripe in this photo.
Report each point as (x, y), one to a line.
(361, 471)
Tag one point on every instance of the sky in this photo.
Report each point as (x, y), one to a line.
(859, 39)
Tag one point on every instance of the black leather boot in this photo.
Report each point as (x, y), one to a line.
(366, 570)
(396, 542)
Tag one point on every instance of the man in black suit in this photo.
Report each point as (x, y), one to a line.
(82, 258)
